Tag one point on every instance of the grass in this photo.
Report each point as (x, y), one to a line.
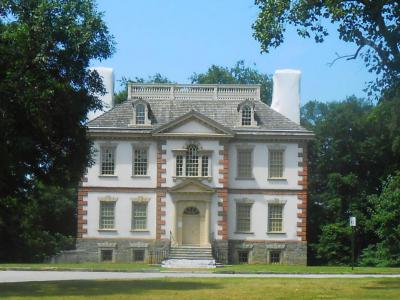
(206, 288)
(258, 268)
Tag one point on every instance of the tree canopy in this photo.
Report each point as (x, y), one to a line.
(46, 91)
(373, 26)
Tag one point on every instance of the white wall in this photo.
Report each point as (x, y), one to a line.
(259, 218)
(123, 167)
(123, 216)
(260, 167)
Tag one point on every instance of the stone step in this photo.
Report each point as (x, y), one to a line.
(188, 263)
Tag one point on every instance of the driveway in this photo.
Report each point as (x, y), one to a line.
(25, 276)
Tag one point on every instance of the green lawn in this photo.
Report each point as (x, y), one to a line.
(230, 269)
(206, 288)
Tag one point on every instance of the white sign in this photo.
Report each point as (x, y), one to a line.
(352, 221)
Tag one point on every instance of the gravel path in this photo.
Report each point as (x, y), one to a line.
(25, 276)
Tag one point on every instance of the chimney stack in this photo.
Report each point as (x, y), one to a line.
(286, 94)
(107, 74)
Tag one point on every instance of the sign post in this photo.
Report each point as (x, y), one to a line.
(353, 226)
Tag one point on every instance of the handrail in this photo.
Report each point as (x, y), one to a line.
(171, 239)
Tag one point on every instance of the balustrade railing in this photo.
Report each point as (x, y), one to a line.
(195, 92)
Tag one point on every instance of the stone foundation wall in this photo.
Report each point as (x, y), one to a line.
(292, 253)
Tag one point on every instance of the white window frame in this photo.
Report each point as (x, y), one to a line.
(282, 204)
(146, 217)
(112, 201)
(244, 148)
(253, 122)
(140, 147)
(243, 202)
(103, 148)
(276, 148)
(182, 153)
(147, 121)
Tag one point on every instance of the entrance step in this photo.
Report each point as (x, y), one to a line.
(189, 257)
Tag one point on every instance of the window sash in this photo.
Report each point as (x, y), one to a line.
(244, 163)
(276, 163)
(191, 164)
(139, 216)
(275, 217)
(107, 160)
(243, 212)
(204, 166)
(140, 114)
(140, 161)
(246, 116)
(192, 161)
(107, 215)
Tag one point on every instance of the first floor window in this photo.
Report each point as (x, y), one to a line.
(106, 255)
(107, 215)
(244, 161)
(275, 163)
(275, 217)
(275, 257)
(107, 160)
(139, 215)
(140, 161)
(243, 211)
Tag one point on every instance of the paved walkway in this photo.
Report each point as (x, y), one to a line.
(25, 276)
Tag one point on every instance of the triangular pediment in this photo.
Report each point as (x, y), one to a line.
(191, 186)
(193, 123)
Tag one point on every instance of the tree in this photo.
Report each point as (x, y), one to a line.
(122, 95)
(373, 26)
(46, 91)
(238, 74)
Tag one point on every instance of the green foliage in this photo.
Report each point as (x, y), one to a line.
(46, 91)
(122, 95)
(371, 25)
(239, 74)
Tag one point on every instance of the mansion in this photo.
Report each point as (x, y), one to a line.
(206, 167)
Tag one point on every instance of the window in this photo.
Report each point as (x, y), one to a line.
(275, 217)
(140, 161)
(243, 257)
(192, 163)
(107, 215)
(246, 115)
(106, 255)
(243, 217)
(275, 257)
(276, 163)
(107, 160)
(138, 255)
(244, 160)
(140, 114)
(139, 215)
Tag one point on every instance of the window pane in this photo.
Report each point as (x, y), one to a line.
(107, 214)
(140, 114)
(192, 161)
(244, 163)
(107, 160)
(276, 163)
(138, 255)
(243, 257)
(275, 217)
(139, 216)
(204, 166)
(275, 257)
(106, 255)
(179, 165)
(246, 115)
(140, 162)
(243, 217)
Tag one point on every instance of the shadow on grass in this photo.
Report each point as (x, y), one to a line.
(388, 284)
(96, 288)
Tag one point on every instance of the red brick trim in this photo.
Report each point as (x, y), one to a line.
(160, 195)
(267, 241)
(223, 192)
(264, 191)
(303, 194)
(81, 212)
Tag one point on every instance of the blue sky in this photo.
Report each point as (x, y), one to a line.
(177, 38)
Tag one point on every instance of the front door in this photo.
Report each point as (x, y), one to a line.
(191, 226)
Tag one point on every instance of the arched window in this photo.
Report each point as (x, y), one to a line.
(140, 114)
(192, 161)
(246, 115)
(191, 211)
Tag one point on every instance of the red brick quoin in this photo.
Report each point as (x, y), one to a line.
(303, 194)
(223, 193)
(160, 195)
(82, 205)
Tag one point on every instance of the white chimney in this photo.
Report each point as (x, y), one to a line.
(107, 74)
(286, 94)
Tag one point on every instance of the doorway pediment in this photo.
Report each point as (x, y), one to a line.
(192, 189)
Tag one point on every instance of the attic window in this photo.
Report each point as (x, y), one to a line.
(140, 114)
(246, 115)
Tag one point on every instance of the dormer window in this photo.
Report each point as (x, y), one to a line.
(141, 111)
(246, 114)
(140, 114)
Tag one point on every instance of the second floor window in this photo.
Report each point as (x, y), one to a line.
(275, 217)
(275, 165)
(192, 163)
(140, 161)
(140, 114)
(139, 215)
(243, 211)
(244, 163)
(107, 160)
